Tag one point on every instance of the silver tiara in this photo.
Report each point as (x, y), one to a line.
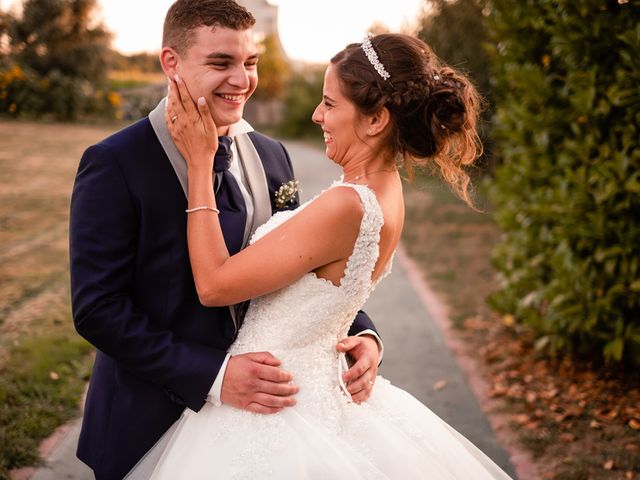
(373, 57)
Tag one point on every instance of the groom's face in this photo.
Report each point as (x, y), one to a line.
(221, 66)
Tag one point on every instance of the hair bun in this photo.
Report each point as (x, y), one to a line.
(446, 103)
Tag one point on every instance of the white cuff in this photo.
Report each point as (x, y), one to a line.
(216, 389)
(378, 341)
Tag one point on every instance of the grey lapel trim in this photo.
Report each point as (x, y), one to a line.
(256, 182)
(179, 164)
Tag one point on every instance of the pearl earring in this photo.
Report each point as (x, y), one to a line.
(369, 132)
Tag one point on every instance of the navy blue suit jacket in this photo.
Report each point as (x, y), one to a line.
(134, 299)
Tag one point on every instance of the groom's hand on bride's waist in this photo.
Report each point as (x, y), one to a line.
(360, 378)
(255, 382)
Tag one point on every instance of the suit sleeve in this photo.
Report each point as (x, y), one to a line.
(362, 322)
(103, 244)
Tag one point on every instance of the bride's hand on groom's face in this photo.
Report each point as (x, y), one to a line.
(191, 126)
(360, 378)
(255, 382)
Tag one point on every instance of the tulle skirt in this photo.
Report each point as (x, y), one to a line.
(392, 436)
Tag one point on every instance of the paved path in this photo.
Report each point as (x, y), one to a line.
(416, 356)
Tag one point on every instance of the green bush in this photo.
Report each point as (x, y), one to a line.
(26, 94)
(304, 93)
(567, 188)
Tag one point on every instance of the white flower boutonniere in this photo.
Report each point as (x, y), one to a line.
(286, 193)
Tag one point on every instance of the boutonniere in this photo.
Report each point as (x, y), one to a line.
(286, 193)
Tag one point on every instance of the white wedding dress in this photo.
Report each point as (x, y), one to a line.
(324, 436)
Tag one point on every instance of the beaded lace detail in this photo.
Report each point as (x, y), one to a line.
(301, 323)
(313, 309)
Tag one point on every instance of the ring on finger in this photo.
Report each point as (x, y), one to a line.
(371, 382)
(173, 119)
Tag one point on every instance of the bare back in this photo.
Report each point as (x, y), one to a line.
(389, 196)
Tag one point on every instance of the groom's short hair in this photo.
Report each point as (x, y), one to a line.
(184, 16)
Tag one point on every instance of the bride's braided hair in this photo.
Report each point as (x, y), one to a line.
(434, 109)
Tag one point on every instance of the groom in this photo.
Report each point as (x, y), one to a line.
(158, 349)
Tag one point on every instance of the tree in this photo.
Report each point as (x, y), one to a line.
(456, 31)
(303, 94)
(5, 21)
(273, 68)
(60, 35)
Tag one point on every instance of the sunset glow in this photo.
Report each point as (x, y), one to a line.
(309, 30)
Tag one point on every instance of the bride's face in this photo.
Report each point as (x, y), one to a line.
(342, 124)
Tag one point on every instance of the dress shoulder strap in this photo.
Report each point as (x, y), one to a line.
(360, 265)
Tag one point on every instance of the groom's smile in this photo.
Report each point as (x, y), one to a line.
(220, 64)
(235, 99)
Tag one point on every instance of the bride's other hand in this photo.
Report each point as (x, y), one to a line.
(360, 378)
(191, 126)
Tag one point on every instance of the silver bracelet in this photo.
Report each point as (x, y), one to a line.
(197, 209)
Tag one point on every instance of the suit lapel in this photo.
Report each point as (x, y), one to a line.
(255, 176)
(249, 161)
(156, 117)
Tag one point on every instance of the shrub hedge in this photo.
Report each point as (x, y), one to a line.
(27, 94)
(567, 186)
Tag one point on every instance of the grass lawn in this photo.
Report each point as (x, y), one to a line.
(44, 364)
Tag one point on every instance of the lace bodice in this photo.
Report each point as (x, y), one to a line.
(312, 308)
(302, 322)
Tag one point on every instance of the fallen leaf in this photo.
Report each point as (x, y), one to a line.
(595, 424)
(440, 384)
(608, 465)
(508, 320)
(567, 437)
(632, 411)
(635, 424)
(607, 414)
(521, 418)
(54, 376)
(498, 390)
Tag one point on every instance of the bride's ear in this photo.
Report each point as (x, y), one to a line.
(169, 61)
(378, 121)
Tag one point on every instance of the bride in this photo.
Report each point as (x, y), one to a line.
(308, 272)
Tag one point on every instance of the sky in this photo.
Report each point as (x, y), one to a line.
(310, 30)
